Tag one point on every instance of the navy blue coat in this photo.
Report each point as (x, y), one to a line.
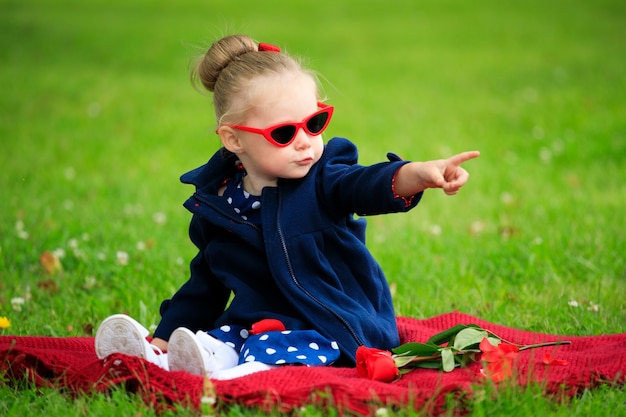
(307, 265)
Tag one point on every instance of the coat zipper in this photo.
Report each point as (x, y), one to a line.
(226, 214)
(295, 280)
(292, 274)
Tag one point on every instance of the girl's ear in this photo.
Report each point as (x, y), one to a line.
(230, 139)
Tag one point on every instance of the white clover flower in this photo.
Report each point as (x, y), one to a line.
(19, 229)
(17, 303)
(208, 400)
(141, 245)
(477, 227)
(73, 243)
(507, 198)
(545, 155)
(382, 412)
(572, 303)
(558, 147)
(90, 282)
(159, 218)
(593, 307)
(70, 173)
(435, 229)
(121, 258)
(131, 209)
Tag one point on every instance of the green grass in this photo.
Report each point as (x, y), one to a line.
(98, 120)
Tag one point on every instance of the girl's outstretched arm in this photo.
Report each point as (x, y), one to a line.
(446, 174)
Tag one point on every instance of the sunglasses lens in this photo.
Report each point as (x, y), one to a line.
(283, 134)
(316, 123)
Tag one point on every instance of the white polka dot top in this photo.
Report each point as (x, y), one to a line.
(246, 205)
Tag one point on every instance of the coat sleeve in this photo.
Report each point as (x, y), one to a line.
(352, 188)
(200, 301)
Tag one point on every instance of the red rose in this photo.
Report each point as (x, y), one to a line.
(267, 325)
(499, 359)
(376, 364)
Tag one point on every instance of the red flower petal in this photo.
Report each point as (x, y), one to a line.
(486, 346)
(507, 348)
(549, 360)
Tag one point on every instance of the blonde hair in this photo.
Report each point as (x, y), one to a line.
(229, 69)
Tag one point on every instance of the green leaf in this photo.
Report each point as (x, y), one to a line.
(494, 340)
(402, 361)
(446, 335)
(416, 349)
(435, 364)
(466, 358)
(469, 337)
(447, 359)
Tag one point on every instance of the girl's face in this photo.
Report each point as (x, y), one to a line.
(285, 98)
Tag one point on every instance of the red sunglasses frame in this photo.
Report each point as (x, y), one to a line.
(266, 133)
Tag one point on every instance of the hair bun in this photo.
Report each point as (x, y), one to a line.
(219, 56)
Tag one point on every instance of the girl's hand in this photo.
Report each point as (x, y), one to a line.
(446, 174)
(160, 343)
(451, 176)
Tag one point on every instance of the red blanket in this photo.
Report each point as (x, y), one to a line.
(72, 363)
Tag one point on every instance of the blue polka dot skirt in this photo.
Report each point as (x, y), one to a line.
(301, 347)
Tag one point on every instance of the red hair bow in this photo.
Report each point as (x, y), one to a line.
(266, 47)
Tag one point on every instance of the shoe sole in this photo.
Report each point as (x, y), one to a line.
(120, 334)
(246, 368)
(185, 353)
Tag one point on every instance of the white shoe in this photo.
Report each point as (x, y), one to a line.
(186, 353)
(122, 334)
(202, 354)
(223, 357)
(244, 369)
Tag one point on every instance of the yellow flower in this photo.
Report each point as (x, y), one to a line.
(5, 323)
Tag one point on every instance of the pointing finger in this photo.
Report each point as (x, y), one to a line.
(462, 157)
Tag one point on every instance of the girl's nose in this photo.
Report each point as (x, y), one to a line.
(302, 140)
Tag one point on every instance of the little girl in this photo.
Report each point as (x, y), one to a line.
(282, 275)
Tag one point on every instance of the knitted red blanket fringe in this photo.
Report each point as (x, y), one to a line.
(71, 363)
